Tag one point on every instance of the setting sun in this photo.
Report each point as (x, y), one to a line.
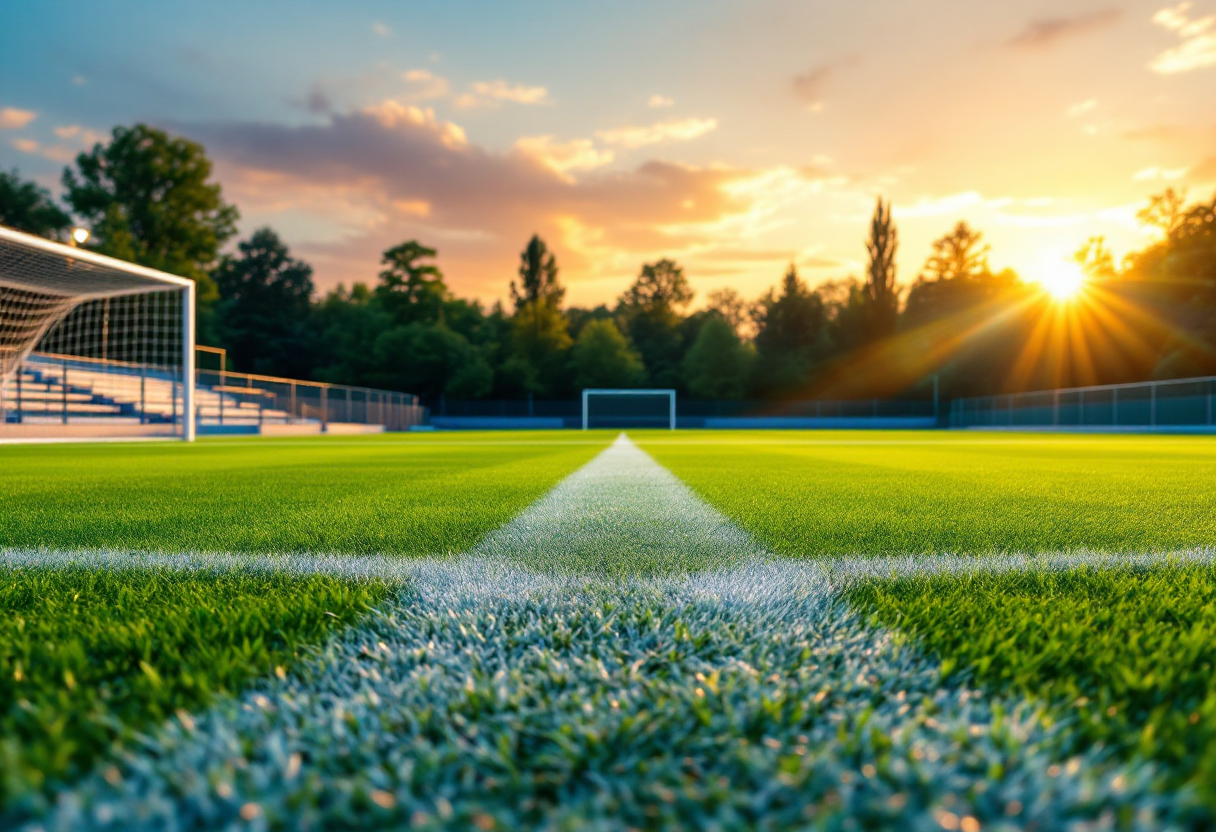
(1061, 278)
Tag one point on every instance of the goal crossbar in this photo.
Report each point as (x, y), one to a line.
(42, 282)
(596, 391)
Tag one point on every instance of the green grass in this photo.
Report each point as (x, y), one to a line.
(849, 493)
(88, 657)
(1127, 654)
(393, 494)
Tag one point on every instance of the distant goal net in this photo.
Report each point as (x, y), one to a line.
(91, 346)
(629, 409)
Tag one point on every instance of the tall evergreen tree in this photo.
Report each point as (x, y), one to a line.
(882, 294)
(537, 276)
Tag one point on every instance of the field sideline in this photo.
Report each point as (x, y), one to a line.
(551, 629)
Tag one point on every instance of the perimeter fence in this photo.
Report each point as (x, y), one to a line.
(693, 413)
(1176, 404)
(245, 399)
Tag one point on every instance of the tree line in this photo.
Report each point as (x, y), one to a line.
(148, 197)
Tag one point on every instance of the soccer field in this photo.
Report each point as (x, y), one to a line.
(571, 630)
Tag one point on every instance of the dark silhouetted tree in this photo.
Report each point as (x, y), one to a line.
(410, 290)
(263, 314)
(882, 294)
(651, 311)
(540, 335)
(790, 335)
(537, 276)
(26, 207)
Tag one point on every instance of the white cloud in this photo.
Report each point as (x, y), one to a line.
(672, 130)
(54, 152)
(1198, 47)
(382, 30)
(394, 115)
(659, 101)
(952, 204)
(426, 84)
(562, 157)
(83, 135)
(13, 119)
(1149, 174)
(1082, 108)
(492, 93)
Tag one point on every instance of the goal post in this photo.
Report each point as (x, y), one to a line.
(629, 408)
(92, 346)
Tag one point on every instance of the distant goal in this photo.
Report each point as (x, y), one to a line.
(90, 346)
(629, 409)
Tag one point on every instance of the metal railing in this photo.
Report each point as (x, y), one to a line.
(50, 388)
(65, 389)
(1176, 403)
(246, 398)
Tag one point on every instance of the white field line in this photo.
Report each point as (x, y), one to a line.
(530, 665)
(839, 572)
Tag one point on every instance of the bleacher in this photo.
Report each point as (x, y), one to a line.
(52, 390)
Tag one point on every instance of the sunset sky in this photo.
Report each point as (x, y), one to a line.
(734, 137)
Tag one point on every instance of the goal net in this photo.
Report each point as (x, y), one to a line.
(629, 409)
(91, 346)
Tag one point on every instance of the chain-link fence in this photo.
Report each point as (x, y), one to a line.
(1174, 404)
(231, 399)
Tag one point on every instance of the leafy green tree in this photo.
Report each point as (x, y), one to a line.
(349, 322)
(147, 198)
(1175, 279)
(956, 278)
(718, 363)
(26, 207)
(651, 310)
(264, 313)
(791, 335)
(430, 360)
(603, 358)
(730, 306)
(410, 290)
(541, 341)
(882, 294)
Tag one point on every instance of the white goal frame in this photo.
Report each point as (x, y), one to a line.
(156, 280)
(598, 391)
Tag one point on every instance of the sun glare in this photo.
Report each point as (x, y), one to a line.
(1061, 278)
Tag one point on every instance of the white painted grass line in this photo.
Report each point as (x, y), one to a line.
(487, 684)
(838, 571)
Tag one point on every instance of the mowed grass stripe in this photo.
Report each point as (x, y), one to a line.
(1033, 494)
(494, 693)
(367, 497)
(96, 645)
